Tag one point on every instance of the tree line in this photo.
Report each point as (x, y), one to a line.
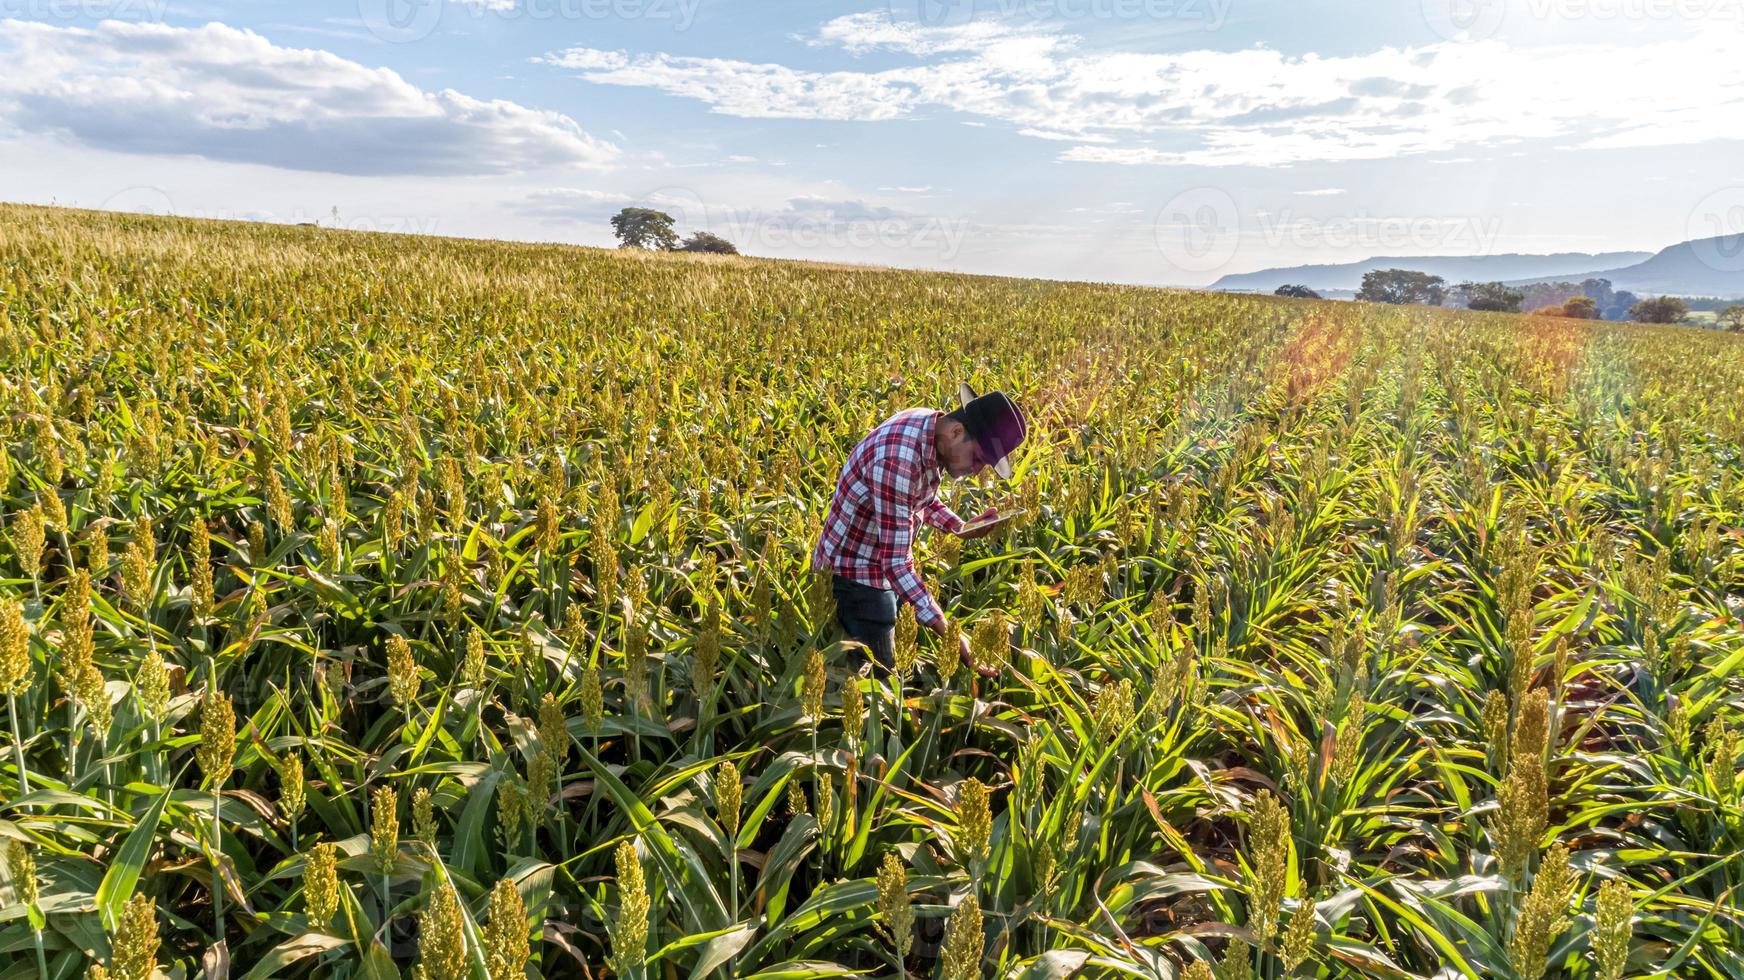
(1590, 299)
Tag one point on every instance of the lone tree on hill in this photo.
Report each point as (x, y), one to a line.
(644, 228)
(1491, 297)
(1731, 318)
(704, 241)
(1399, 286)
(1298, 292)
(1659, 309)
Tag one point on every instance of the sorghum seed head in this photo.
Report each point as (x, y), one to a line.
(506, 944)
(812, 700)
(974, 819)
(630, 935)
(1299, 937)
(384, 829)
(1542, 917)
(853, 708)
(423, 816)
(442, 937)
(729, 798)
(293, 791)
(593, 705)
(1613, 922)
(154, 686)
(1268, 843)
(15, 668)
(964, 940)
(895, 911)
(402, 672)
(22, 867)
(217, 736)
(321, 885)
(133, 951)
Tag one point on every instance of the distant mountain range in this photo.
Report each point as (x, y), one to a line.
(1454, 268)
(1704, 267)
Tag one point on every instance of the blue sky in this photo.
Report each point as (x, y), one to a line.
(1152, 141)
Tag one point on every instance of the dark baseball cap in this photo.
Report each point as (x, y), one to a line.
(996, 425)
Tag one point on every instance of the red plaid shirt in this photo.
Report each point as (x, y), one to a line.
(889, 484)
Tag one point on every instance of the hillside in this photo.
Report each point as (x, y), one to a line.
(1454, 268)
(1705, 267)
(373, 604)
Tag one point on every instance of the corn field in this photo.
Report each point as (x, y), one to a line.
(376, 606)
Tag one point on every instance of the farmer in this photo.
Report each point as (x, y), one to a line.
(888, 485)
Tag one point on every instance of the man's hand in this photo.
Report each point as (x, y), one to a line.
(981, 532)
(969, 658)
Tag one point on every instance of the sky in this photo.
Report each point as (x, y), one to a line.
(1162, 142)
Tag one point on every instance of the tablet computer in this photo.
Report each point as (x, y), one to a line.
(990, 522)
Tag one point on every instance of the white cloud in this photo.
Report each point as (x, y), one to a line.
(1322, 192)
(228, 94)
(1250, 107)
(873, 31)
(569, 203)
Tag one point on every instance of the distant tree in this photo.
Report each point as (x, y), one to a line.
(1621, 301)
(704, 241)
(1298, 292)
(1731, 318)
(644, 228)
(1490, 296)
(1542, 294)
(1659, 309)
(1399, 286)
(1576, 308)
(1599, 290)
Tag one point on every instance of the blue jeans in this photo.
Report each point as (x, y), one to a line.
(868, 615)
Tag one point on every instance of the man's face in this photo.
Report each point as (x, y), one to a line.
(959, 453)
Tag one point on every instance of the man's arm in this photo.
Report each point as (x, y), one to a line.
(937, 515)
(892, 487)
